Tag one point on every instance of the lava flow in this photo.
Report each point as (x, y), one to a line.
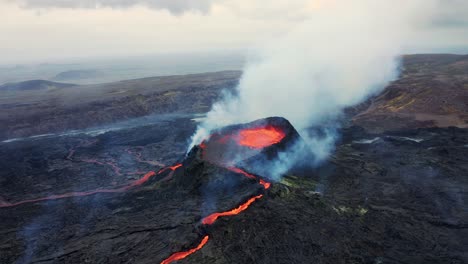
(220, 149)
(265, 184)
(209, 220)
(133, 184)
(184, 254)
(172, 168)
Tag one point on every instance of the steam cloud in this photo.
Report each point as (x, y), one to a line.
(174, 6)
(345, 52)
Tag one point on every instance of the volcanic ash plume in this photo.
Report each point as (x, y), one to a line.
(345, 51)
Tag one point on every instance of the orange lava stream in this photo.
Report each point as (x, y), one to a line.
(181, 255)
(173, 168)
(260, 137)
(209, 220)
(133, 184)
(265, 184)
(246, 174)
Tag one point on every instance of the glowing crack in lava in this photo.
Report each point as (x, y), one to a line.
(265, 184)
(172, 168)
(209, 220)
(260, 137)
(181, 255)
(133, 184)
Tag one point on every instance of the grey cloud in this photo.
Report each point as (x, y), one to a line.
(176, 7)
(451, 13)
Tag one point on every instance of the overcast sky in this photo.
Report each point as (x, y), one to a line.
(34, 31)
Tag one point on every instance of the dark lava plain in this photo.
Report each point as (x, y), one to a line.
(395, 197)
(394, 190)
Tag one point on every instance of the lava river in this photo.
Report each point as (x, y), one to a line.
(253, 138)
(146, 177)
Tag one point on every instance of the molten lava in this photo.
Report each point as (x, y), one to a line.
(260, 137)
(172, 168)
(209, 220)
(133, 184)
(237, 170)
(181, 255)
(265, 184)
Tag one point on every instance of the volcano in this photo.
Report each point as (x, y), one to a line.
(216, 174)
(210, 167)
(252, 144)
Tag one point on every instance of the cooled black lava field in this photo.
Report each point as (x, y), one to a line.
(132, 196)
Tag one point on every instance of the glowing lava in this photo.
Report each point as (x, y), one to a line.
(133, 184)
(209, 220)
(260, 137)
(181, 255)
(237, 170)
(172, 168)
(265, 184)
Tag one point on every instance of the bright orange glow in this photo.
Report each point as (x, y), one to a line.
(260, 137)
(138, 182)
(181, 255)
(175, 167)
(133, 184)
(172, 168)
(144, 179)
(265, 184)
(209, 220)
(237, 170)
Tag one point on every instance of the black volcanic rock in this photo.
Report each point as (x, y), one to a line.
(384, 198)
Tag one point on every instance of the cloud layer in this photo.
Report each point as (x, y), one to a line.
(174, 6)
(93, 28)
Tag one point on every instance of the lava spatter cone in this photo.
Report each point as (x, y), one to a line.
(252, 144)
(218, 171)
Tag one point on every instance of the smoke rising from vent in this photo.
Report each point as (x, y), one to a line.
(345, 52)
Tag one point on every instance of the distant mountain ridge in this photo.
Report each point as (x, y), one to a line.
(77, 75)
(34, 85)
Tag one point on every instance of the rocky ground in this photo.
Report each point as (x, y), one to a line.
(382, 198)
(58, 108)
(394, 190)
(432, 91)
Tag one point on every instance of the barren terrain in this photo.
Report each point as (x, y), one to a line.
(394, 191)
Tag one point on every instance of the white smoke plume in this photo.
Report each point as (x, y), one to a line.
(343, 53)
